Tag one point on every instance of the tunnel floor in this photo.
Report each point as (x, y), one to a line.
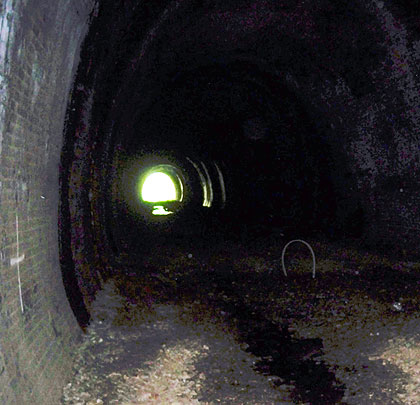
(192, 324)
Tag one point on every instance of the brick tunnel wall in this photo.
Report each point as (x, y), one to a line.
(39, 51)
(373, 118)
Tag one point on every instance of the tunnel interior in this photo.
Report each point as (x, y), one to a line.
(278, 170)
(226, 109)
(227, 106)
(275, 120)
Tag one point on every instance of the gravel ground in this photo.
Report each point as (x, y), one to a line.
(134, 355)
(192, 326)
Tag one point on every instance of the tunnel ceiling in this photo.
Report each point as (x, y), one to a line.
(224, 61)
(217, 85)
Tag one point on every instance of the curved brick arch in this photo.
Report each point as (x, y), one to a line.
(357, 89)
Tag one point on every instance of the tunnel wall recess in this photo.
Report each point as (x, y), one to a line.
(39, 54)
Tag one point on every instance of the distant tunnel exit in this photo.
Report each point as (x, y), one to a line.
(158, 185)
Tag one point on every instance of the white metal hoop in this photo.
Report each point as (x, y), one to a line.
(309, 246)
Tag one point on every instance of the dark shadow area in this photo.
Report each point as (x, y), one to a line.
(68, 273)
(221, 290)
(291, 359)
(212, 278)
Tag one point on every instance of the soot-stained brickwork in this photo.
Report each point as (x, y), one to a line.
(39, 53)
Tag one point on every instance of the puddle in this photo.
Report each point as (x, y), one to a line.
(296, 362)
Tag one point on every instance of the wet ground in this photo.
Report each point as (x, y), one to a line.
(332, 339)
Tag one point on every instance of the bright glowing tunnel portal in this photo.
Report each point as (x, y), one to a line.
(160, 185)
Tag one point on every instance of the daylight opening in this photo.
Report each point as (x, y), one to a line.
(157, 187)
